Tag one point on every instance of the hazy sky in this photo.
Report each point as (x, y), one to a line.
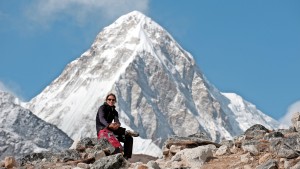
(251, 48)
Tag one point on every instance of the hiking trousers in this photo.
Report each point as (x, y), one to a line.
(126, 139)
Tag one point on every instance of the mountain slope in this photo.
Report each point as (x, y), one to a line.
(160, 90)
(22, 132)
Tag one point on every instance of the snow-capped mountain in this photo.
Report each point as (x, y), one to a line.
(160, 89)
(23, 132)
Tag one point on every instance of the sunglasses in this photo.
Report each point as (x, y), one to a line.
(111, 100)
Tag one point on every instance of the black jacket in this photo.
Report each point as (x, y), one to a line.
(105, 115)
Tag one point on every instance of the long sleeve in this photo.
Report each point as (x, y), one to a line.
(101, 117)
(116, 118)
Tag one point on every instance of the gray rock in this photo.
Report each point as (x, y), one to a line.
(223, 150)
(200, 135)
(35, 157)
(296, 166)
(286, 131)
(188, 142)
(83, 166)
(286, 147)
(256, 131)
(270, 164)
(251, 146)
(195, 157)
(111, 162)
(251, 149)
(296, 121)
(228, 143)
(245, 158)
(273, 135)
(153, 164)
(69, 155)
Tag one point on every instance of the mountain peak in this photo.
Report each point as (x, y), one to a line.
(159, 88)
(137, 33)
(134, 14)
(6, 97)
(130, 19)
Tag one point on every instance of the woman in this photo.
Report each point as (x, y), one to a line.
(108, 117)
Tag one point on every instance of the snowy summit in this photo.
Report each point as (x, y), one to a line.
(159, 88)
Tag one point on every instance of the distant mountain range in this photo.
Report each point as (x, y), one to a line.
(23, 132)
(160, 90)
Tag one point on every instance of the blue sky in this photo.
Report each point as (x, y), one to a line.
(251, 48)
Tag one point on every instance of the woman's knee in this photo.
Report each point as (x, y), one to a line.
(129, 138)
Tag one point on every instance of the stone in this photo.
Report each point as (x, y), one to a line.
(83, 165)
(175, 149)
(91, 155)
(224, 149)
(83, 155)
(113, 161)
(195, 157)
(228, 143)
(270, 164)
(141, 166)
(273, 135)
(10, 162)
(250, 148)
(99, 154)
(264, 158)
(247, 167)
(296, 166)
(234, 149)
(153, 164)
(245, 158)
(286, 164)
(2, 163)
(256, 131)
(188, 142)
(295, 119)
(74, 144)
(165, 151)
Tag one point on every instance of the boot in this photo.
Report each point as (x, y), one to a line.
(132, 133)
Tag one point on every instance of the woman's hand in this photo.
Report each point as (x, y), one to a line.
(114, 126)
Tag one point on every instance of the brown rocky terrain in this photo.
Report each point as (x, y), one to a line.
(257, 148)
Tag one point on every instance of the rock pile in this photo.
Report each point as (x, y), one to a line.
(88, 153)
(257, 148)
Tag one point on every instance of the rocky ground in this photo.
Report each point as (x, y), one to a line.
(141, 158)
(257, 148)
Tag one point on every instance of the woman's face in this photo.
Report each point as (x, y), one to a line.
(111, 100)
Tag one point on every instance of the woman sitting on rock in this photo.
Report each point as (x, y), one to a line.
(108, 118)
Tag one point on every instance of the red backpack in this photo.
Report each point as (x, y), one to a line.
(109, 135)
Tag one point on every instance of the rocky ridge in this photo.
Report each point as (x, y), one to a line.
(22, 132)
(258, 147)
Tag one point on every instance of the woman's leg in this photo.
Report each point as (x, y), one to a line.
(126, 139)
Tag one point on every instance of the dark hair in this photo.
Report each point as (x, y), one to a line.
(111, 94)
